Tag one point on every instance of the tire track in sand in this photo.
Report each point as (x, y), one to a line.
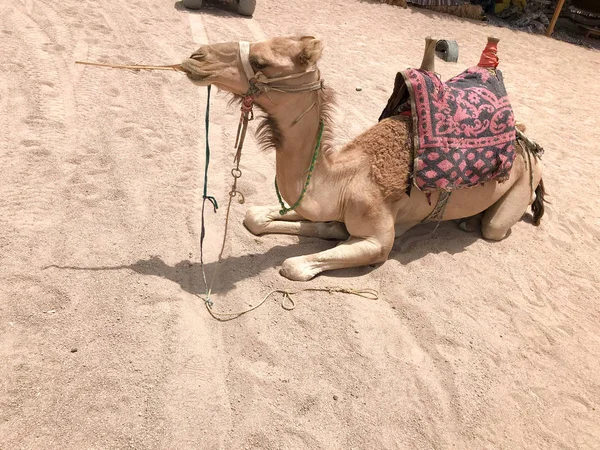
(36, 100)
(199, 407)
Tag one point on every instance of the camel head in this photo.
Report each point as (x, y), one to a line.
(229, 65)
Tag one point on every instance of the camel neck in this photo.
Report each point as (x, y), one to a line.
(297, 145)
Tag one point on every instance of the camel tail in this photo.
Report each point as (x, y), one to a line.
(538, 204)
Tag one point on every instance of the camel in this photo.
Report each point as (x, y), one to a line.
(356, 194)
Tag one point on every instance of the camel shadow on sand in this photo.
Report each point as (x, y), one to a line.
(233, 269)
(415, 244)
(419, 242)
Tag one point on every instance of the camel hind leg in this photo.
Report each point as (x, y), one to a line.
(502, 215)
(261, 220)
(470, 224)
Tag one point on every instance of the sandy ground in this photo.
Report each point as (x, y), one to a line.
(472, 344)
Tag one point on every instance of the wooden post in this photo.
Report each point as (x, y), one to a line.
(559, 8)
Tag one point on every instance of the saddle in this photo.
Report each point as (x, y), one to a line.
(464, 129)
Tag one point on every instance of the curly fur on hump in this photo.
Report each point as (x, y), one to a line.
(388, 145)
(391, 156)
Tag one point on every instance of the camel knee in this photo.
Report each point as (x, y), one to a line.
(256, 221)
(384, 253)
(379, 251)
(494, 233)
(373, 250)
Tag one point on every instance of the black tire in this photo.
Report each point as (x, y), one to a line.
(246, 7)
(192, 4)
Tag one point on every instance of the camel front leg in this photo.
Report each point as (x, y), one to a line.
(267, 220)
(354, 252)
(372, 237)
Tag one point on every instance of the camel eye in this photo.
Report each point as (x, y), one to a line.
(257, 64)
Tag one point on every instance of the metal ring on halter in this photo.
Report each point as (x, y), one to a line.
(235, 193)
(236, 173)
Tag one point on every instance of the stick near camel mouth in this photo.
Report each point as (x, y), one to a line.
(175, 67)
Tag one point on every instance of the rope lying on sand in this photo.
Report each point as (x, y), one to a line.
(287, 302)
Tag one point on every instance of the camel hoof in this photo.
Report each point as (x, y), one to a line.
(255, 220)
(469, 224)
(465, 226)
(297, 269)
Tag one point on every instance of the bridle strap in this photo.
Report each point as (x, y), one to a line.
(262, 80)
(245, 55)
(259, 84)
(308, 87)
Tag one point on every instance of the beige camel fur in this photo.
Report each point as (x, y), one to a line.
(357, 192)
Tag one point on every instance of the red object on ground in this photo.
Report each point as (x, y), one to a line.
(489, 56)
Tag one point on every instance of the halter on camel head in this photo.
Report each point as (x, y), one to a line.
(261, 84)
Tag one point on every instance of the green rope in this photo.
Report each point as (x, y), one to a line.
(205, 197)
(206, 122)
(285, 209)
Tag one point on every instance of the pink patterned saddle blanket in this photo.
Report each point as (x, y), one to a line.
(464, 129)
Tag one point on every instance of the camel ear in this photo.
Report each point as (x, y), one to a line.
(311, 52)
